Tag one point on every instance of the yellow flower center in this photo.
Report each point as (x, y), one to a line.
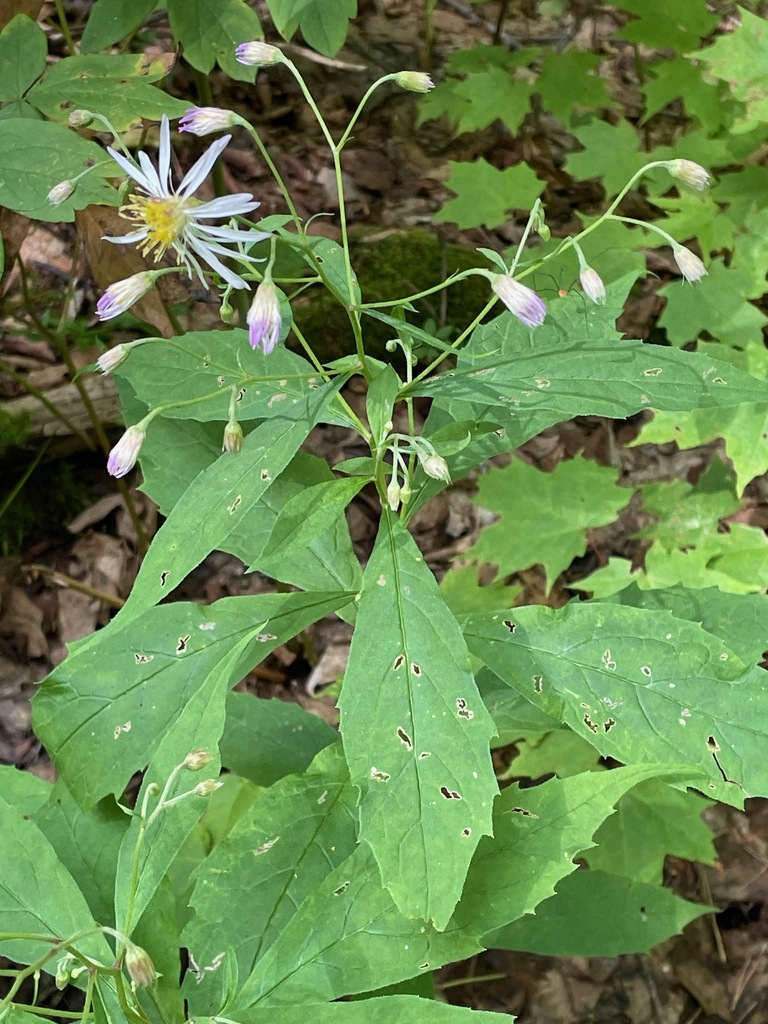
(164, 220)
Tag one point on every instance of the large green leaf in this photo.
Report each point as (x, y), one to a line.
(638, 685)
(103, 713)
(119, 86)
(538, 832)
(38, 896)
(324, 25)
(110, 21)
(274, 858)
(544, 517)
(265, 740)
(24, 791)
(35, 156)
(382, 1010)
(220, 500)
(23, 48)
(347, 937)
(615, 915)
(415, 731)
(209, 31)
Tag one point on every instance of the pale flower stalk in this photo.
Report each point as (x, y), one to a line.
(171, 218)
(124, 455)
(592, 284)
(264, 319)
(121, 295)
(202, 121)
(520, 300)
(689, 264)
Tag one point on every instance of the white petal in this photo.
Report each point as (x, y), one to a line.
(226, 206)
(234, 234)
(197, 174)
(205, 252)
(130, 238)
(156, 189)
(164, 157)
(130, 168)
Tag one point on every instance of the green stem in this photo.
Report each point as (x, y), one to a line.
(276, 175)
(61, 15)
(453, 279)
(348, 131)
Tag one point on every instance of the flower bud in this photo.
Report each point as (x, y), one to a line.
(233, 438)
(414, 81)
(123, 456)
(264, 319)
(121, 295)
(80, 119)
(202, 121)
(207, 787)
(692, 174)
(436, 467)
(593, 285)
(689, 264)
(258, 54)
(196, 760)
(108, 360)
(60, 193)
(521, 301)
(63, 972)
(226, 312)
(139, 965)
(393, 494)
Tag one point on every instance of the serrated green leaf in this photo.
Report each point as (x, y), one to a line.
(463, 593)
(686, 514)
(110, 21)
(610, 151)
(493, 94)
(738, 58)
(561, 752)
(104, 712)
(538, 832)
(23, 48)
(38, 895)
(615, 915)
(659, 24)
(740, 620)
(347, 937)
(415, 732)
(486, 195)
(265, 740)
(394, 1009)
(220, 500)
(652, 821)
(86, 843)
(35, 156)
(115, 85)
(251, 886)
(681, 79)
(555, 83)
(209, 31)
(638, 685)
(551, 513)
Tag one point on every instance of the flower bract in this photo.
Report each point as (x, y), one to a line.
(171, 218)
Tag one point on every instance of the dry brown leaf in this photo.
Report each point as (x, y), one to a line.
(10, 8)
(21, 623)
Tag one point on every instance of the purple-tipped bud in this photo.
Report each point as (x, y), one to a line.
(593, 285)
(139, 965)
(258, 54)
(121, 295)
(693, 174)
(414, 81)
(202, 121)
(689, 264)
(197, 759)
(264, 319)
(436, 467)
(123, 456)
(521, 301)
(60, 193)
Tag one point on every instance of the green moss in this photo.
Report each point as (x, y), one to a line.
(13, 430)
(399, 264)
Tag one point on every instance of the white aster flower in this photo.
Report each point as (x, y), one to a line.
(689, 264)
(169, 218)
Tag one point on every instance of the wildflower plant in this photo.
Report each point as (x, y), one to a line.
(327, 865)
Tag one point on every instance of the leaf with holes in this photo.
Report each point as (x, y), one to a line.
(104, 712)
(251, 886)
(415, 732)
(640, 686)
(347, 937)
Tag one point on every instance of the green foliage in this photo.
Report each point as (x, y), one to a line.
(323, 23)
(23, 49)
(209, 30)
(485, 195)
